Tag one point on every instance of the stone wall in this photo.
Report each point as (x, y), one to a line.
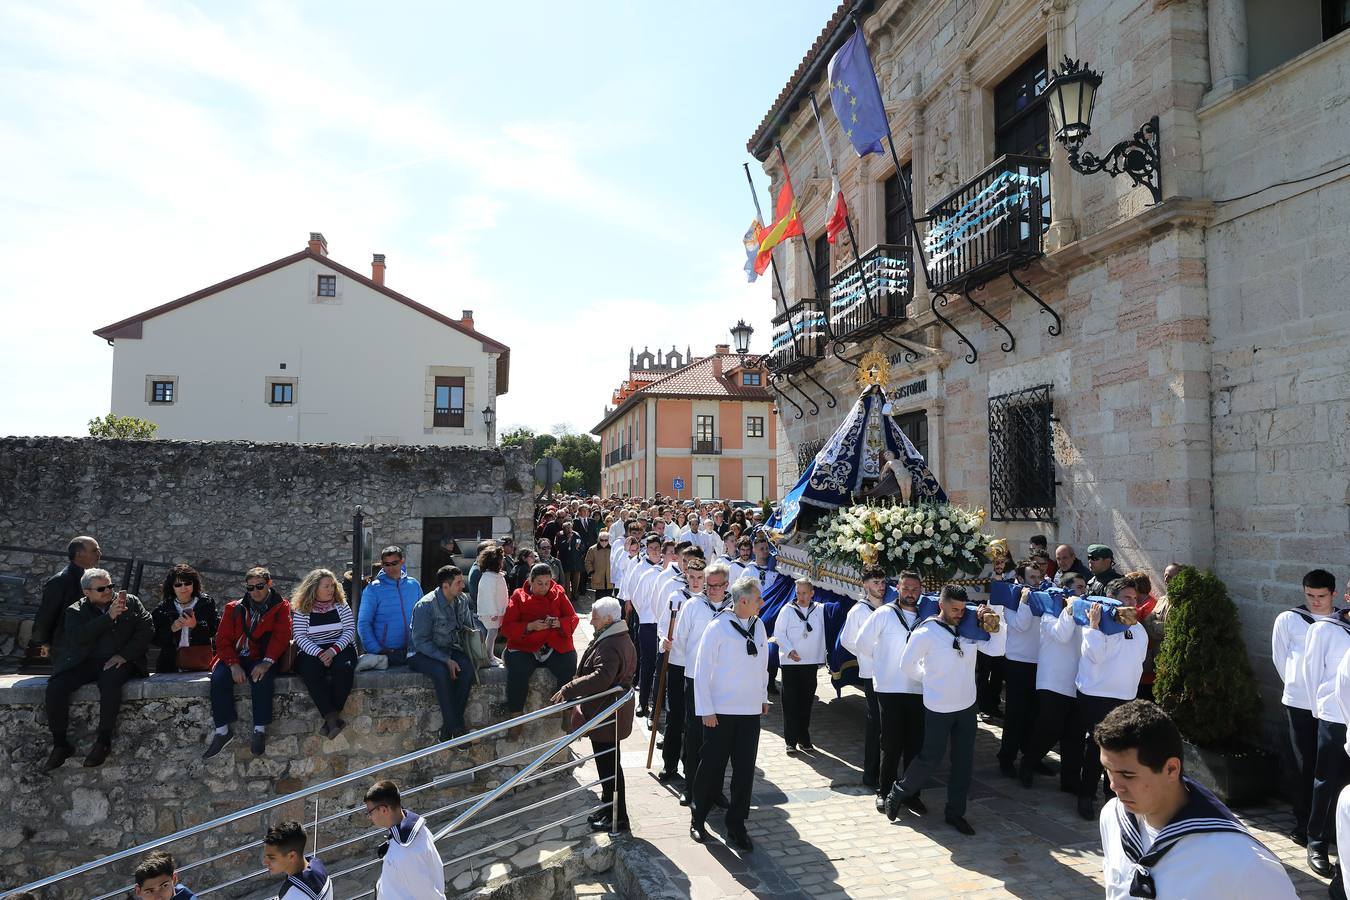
(231, 505)
(156, 783)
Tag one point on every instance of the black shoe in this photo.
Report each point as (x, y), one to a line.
(882, 801)
(642, 712)
(807, 746)
(917, 806)
(1086, 809)
(218, 743)
(601, 823)
(722, 802)
(98, 753)
(960, 824)
(660, 743)
(738, 838)
(1026, 775)
(57, 758)
(687, 798)
(698, 833)
(1318, 862)
(892, 807)
(791, 750)
(1299, 836)
(258, 743)
(1007, 768)
(664, 777)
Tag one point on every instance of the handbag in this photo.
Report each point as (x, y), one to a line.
(474, 648)
(195, 658)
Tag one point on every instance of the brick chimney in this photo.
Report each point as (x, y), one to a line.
(377, 269)
(717, 362)
(722, 348)
(467, 318)
(317, 243)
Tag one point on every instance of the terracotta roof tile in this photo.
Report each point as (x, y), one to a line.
(696, 381)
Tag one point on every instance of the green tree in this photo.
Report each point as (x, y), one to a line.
(573, 481)
(579, 453)
(516, 437)
(126, 427)
(1204, 679)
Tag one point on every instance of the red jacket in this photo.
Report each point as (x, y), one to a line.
(269, 638)
(524, 607)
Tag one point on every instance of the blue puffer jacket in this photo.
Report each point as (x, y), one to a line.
(386, 610)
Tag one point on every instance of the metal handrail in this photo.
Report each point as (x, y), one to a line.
(328, 785)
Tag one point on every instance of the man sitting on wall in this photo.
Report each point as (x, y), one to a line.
(103, 640)
(386, 609)
(61, 590)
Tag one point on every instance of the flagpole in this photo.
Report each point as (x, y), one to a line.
(848, 220)
(782, 295)
(895, 158)
(806, 244)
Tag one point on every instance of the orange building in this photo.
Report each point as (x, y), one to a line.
(688, 427)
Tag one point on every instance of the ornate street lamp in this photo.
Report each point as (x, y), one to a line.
(740, 338)
(488, 416)
(1072, 94)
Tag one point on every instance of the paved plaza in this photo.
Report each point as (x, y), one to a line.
(818, 835)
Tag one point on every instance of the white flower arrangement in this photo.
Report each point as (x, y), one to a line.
(938, 540)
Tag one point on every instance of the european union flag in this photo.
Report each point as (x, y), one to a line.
(856, 97)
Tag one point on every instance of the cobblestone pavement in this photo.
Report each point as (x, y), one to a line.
(817, 833)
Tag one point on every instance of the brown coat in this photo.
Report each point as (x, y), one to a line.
(597, 563)
(607, 662)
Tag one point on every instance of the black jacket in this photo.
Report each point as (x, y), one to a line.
(589, 529)
(58, 592)
(164, 615)
(570, 551)
(89, 633)
(1097, 583)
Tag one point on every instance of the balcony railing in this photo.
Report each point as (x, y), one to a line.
(798, 337)
(706, 445)
(870, 296)
(618, 455)
(993, 222)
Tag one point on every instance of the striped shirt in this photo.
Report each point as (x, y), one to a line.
(318, 631)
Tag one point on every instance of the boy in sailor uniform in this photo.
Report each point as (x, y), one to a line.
(689, 627)
(1163, 835)
(681, 591)
(284, 854)
(411, 868)
(874, 595)
(761, 567)
(642, 577)
(1288, 639)
(801, 651)
(1327, 643)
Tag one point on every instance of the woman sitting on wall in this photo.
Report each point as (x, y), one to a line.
(325, 639)
(538, 626)
(185, 623)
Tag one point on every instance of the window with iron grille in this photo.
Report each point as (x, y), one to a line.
(821, 257)
(754, 426)
(898, 229)
(806, 451)
(327, 285)
(449, 409)
(1021, 456)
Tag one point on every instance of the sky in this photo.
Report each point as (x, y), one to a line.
(571, 172)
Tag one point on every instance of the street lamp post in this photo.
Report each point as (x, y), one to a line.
(489, 415)
(740, 337)
(1072, 95)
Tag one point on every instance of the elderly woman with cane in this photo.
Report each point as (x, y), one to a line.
(610, 661)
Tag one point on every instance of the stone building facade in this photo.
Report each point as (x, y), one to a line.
(1193, 407)
(231, 505)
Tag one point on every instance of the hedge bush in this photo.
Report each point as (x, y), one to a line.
(1204, 679)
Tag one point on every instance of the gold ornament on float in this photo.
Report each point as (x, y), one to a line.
(874, 369)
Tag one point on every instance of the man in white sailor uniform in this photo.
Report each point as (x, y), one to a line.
(306, 878)
(1163, 835)
(800, 634)
(874, 592)
(760, 567)
(1288, 639)
(411, 867)
(1019, 673)
(944, 661)
(1108, 675)
(899, 697)
(731, 693)
(641, 581)
(1056, 691)
(687, 589)
(689, 627)
(1327, 643)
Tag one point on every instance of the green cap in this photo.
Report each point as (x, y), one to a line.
(1099, 551)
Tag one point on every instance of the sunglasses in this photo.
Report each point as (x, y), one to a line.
(184, 584)
(260, 586)
(715, 584)
(100, 590)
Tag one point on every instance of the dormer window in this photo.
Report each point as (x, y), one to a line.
(750, 379)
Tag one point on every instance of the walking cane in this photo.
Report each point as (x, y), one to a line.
(661, 690)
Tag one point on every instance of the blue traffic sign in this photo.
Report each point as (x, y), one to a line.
(679, 484)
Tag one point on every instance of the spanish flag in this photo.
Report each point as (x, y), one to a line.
(786, 223)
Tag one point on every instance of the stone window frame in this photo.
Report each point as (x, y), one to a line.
(471, 411)
(269, 393)
(152, 380)
(317, 272)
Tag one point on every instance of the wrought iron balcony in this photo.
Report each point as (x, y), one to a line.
(990, 225)
(618, 455)
(870, 296)
(798, 337)
(705, 445)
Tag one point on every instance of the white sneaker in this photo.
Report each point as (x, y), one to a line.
(496, 662)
